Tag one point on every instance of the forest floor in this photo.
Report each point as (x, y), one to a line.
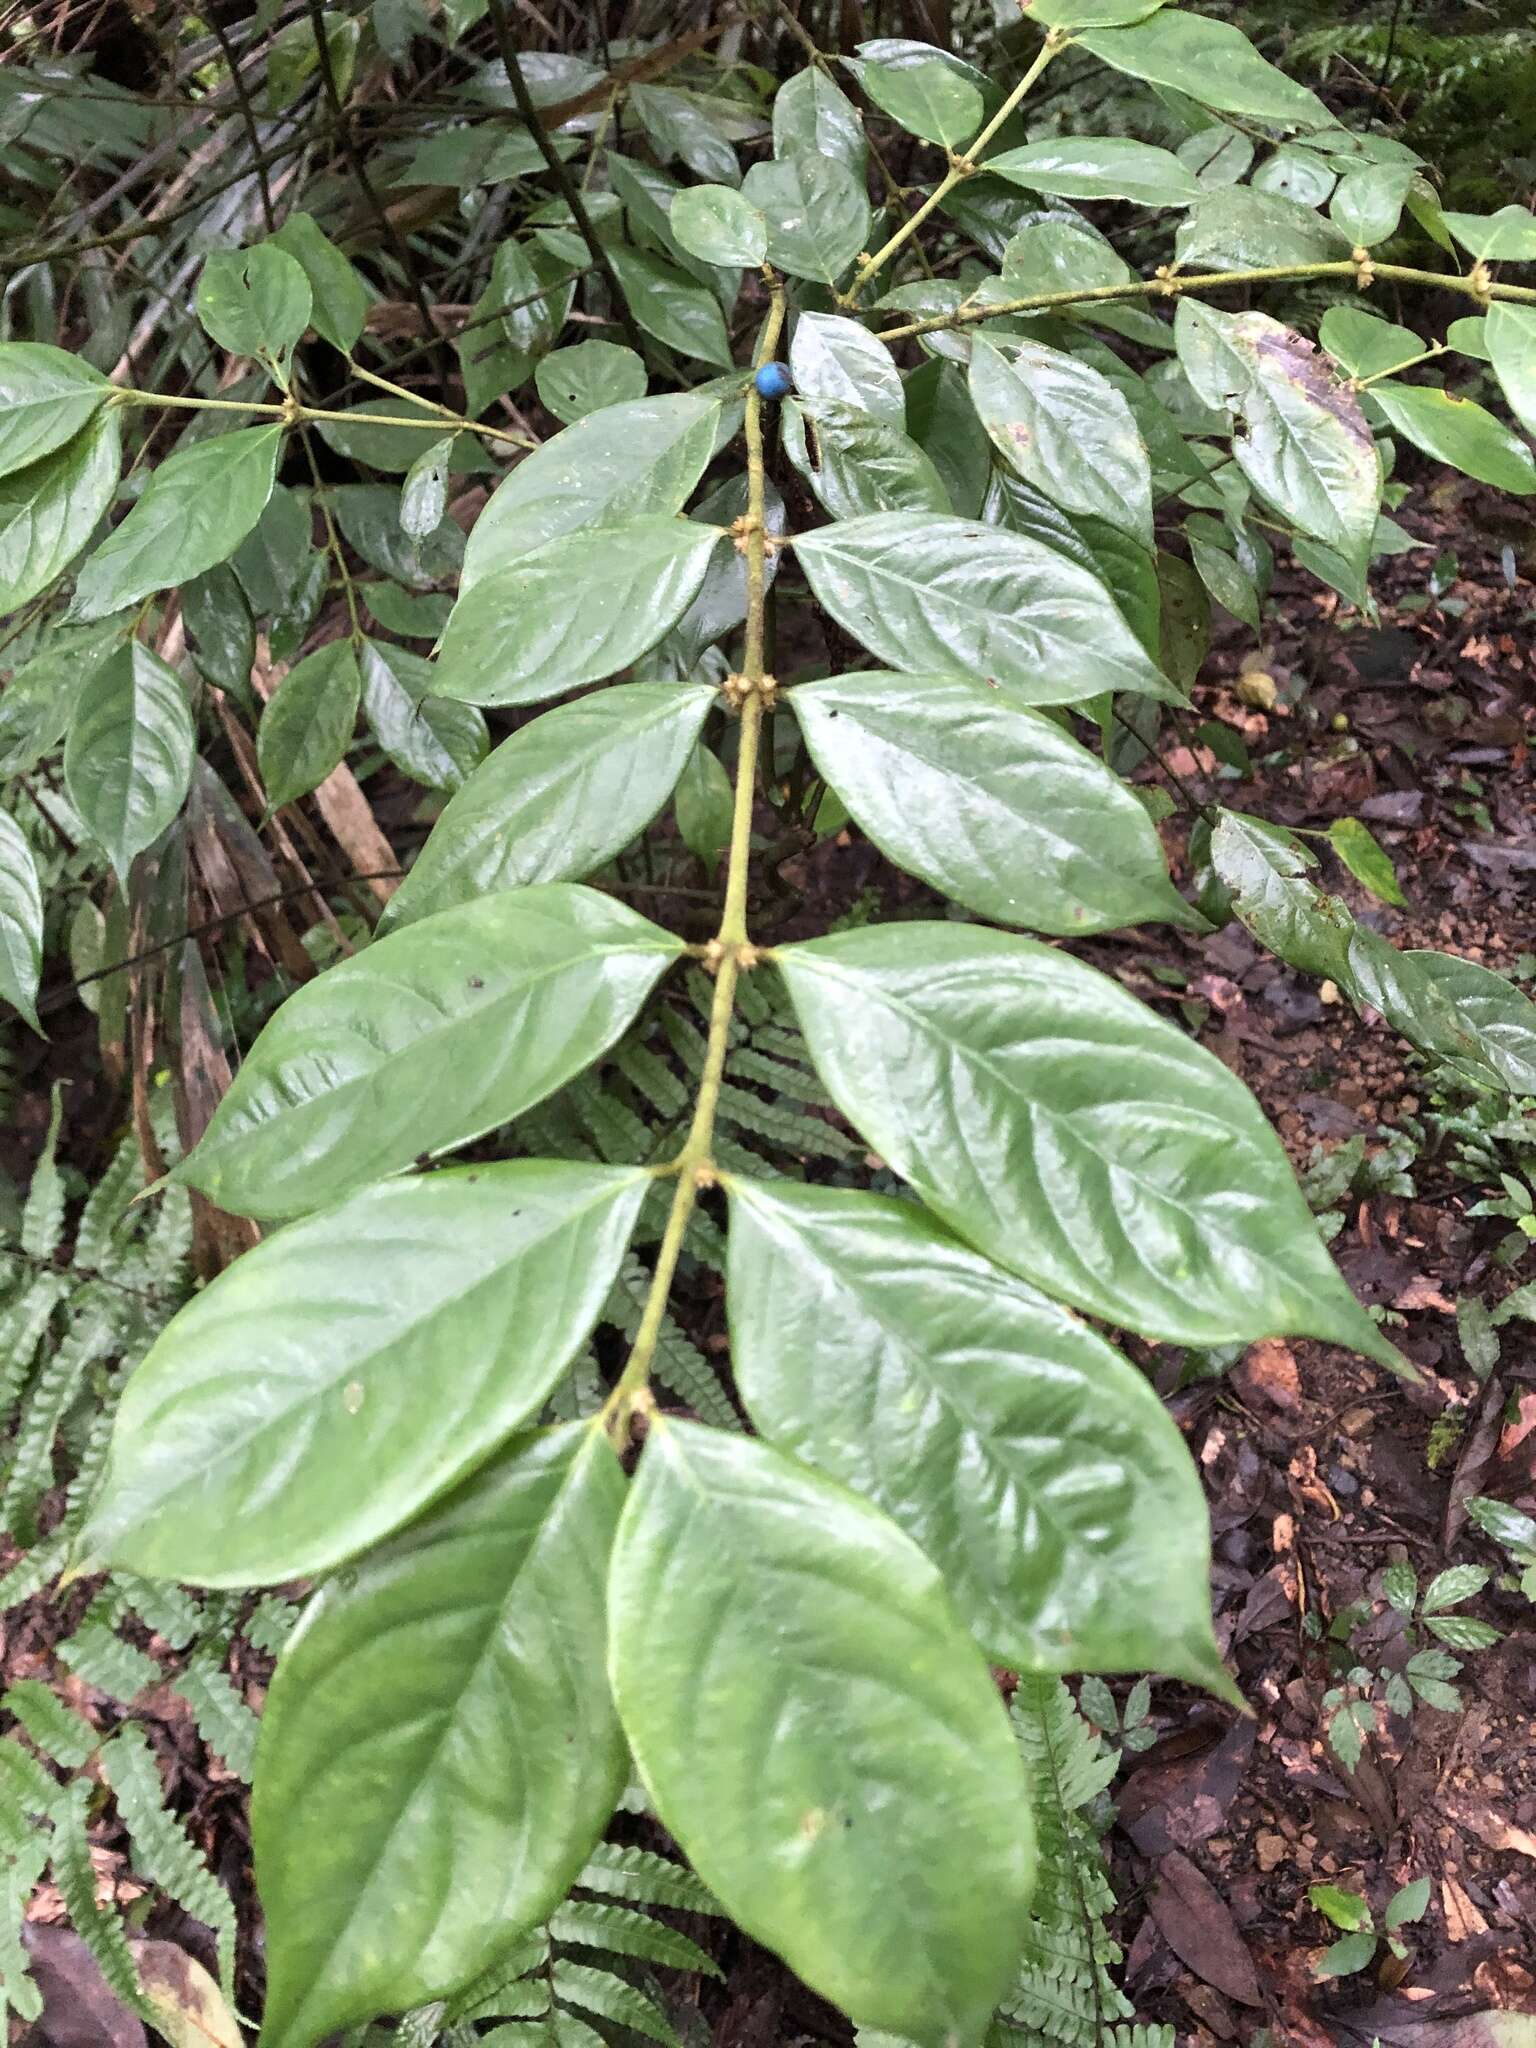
(1321, 1473)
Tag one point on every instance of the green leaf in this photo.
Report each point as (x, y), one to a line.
(514, 321)
(128, 760)
(194, 512)
(1511, 338)
(558, 799)
(714, 223)
(254, 302)
(360, 435)
(817, 213)
(1449, 1588)
(37, 702)
(1368, 204)
(1400, 1585)
(1064, 1130)
(861, 465)
(21, 921)
(1367, 860)
(1098, 167)
(668, 304)
(813, 116)
(46, 397)
(849, 1813)
(1307, 449)
(340, 298)
(1061, 255)
(1345, 1957)
(424, 494)
(705, 804)
(1240, 229)
(572, 382)
(1266, 871)
(1508, 236)
(1460, 432)
(623, 463)
(963, 784)
(834, 359)
(578, 609)
(1066, 429)
(1075, 14)
(1212, 62)
(1364, 344)
(468, 1652)
(1408, 1904)
(1475, 1017)
(928, 98)
(1028, 1460)
(405, 1334)
(1345, 1909)
(306, 728)
(1227, 582)
(426, 1040)
(934, 595)
(49, 510)
(433, 739)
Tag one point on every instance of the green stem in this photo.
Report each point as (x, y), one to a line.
(961, 167)
(1425, 355)
(731, 949)
(299, 415)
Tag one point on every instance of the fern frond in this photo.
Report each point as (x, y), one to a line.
(100, 1930)
(161, 1850)
(42, 1215)
(25, 1787)
(271, 1623)
(224, 1721)
(679, 1365)
(645, 1879)
(95, 1245)
(611, 1998)
(586, 1923)
(96, 1653)
(24, 1845)
(57, 1730)
(497, 1989)
(167, 1611)
(22, 1329)
(32, 1474)
(1141, 2037)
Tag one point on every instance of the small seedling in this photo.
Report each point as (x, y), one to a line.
(1356, 1950)
(1515, 1535)
(1129, 1726)
(1350, 1708)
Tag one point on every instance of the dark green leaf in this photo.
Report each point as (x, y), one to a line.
(1489, 1011)
(1460, 432)
(961, 783)
(946, 596)
(582, 607)
(431, 1037)
(307, 726)
(1065, 429)
(194, 512)
(575, 381)
(365, 436)
(1364, 344)
(860, 465)
(834, 359)
(557, 799)
(705, 804)
(1037, 1469)
(36, 704)
(468, 1651)
(404, 1334)
(817, 213)
(128, 760)
(433, 739)
(929, 98)
(254, 302)
(46, 397)
(1065, 1131)
(624, 463)
(850, 1812)
(668, 304)
(1368, 204)
(813, 116)
(714, 223)
(49, 510)
(1098, 167)
(1211, 61)
(1266, 871)
(340, 297)
(1240, 229)
(21, 921)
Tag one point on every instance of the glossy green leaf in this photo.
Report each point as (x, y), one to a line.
(194, 512)
(516, 319)
(1240, 229)
(1066, 429)
(1127, 570)
(306, 728)
(413, 614)
(426, 1040)
(340, 298)
(364, 434)
(223, 632)
(929, 98)
(1510, 334)
(128, 759)
(714, 223)
(1098, 167)
(49, 510)
(947, 596)
(1488, 1007)
(400, 1337)
(621, 464)
(1211, 61)
(1266, 871)
(1368, 204)
(574, 381)
(857, 464)
(1367, 859)
(1076, 14)
(837, 360)
(21, 921)
(46, 397)
(1226, 581)
(559, 798)
(1508, 236)
(817, 213)
(424, 494)
(1296, 173)
(1306, 448)
(704, 801)
(1034, 1466)
(467, 1652)
(961, 783)
(435, 740)
(1064, 1130)
(1364, 344)
(1460, 432)
(1054, 255)
(813, 116)
(254, 302)
(582, 607)
(668, 304)
(853, 1799)
(943, 422)
(36, 703)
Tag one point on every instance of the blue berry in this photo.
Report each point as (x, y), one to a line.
(774, 381)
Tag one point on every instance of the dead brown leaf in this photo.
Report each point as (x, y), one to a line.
(1198, 1926)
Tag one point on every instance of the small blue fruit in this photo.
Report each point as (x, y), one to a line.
(774, 381)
